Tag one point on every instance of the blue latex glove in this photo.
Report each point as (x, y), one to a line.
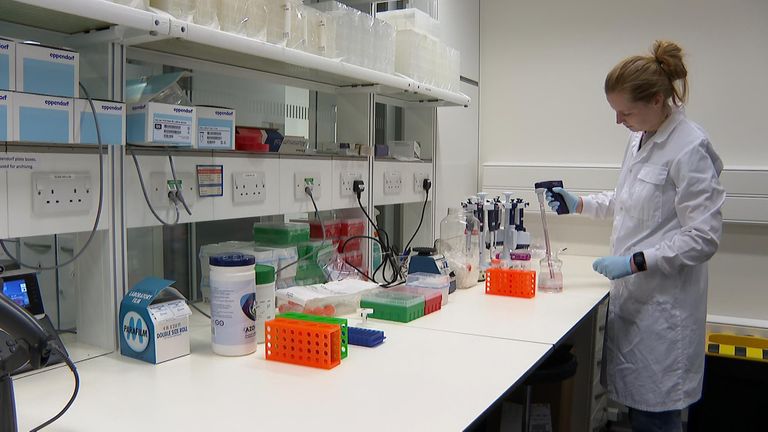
(570, 199)
(613, 267)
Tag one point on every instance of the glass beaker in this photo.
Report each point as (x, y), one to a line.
(551, 274)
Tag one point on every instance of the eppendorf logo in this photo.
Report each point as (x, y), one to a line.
(3, 97)
(112, 108)
(4, 46)
(138, 107)
(135, 332)
(61, 103)
(225, 113)
(183, 110)
(58, 56)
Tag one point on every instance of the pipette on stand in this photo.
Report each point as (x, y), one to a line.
(482, 217)
(510, 233)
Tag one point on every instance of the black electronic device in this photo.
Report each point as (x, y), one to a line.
(549, 185)
(23, 290)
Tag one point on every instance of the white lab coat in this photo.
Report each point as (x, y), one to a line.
(667, 204)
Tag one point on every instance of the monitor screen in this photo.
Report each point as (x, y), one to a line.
(16, 290)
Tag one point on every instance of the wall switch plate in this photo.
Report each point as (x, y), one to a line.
(347, 178)
(248, 187)
(58, 192)
(418, 181)
(393, 182)
(159, 186)
(303, 179)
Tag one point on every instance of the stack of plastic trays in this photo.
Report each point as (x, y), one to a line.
(244, 17)
(433, 299)
(394, 305)
(181, 9)
(341, 322)
(280, 234)
(411, 19)
(439, 282)
(317, 36)
(510, 282)
(365, 337)
(298, 32)
(304, 343)
(384, 46)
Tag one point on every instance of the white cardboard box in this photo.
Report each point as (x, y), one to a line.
(111, 117)
(157, 124)
(32, 111)
(215, 128)
(45, 70)
(7, 65)
(6, 116)
(154, 322)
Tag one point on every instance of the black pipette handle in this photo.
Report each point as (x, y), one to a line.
(549, 185)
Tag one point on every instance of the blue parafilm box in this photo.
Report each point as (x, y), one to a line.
(45, 70)
(42, 119)
(6, 116)
(111, 116)
(215, 128)
(7, 65)
(158, 124)
(154, 322)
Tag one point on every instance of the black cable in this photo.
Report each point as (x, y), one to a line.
(99, 207)
(386, 248)
(72, 368)
(421, 221)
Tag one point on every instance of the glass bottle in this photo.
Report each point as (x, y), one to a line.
(460, 244)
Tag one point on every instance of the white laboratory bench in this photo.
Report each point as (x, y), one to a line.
(546, 318)
(440, 372)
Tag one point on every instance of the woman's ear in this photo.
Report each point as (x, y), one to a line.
(658, 100)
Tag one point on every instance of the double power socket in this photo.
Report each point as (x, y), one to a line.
(56, 193)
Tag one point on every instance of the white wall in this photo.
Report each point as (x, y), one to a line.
(542, 66)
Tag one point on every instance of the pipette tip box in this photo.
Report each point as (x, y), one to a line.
(111, 116)
(158, 124)
(32, 110)
(7, 64)
(215, 127)
(46, 70)
(394, 305)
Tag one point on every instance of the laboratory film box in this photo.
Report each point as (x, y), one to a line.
(154, 322)
(7, 65)
(158, 124)
(31, 112)
(45, 70)
(6, 116)
(111, 116)
(215, 128)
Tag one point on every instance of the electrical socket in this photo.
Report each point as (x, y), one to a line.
(248, 187)
(418, 181)
(393, 182)
(54, 193)
(158, 189)
(303, 179)
(347, 178)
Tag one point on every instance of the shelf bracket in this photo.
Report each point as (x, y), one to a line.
(121, 34)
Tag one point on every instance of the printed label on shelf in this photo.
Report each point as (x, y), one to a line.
(211, 136)
(210, 180)
(171, 129)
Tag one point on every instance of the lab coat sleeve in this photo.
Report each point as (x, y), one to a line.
(598, 206)
(698, 201)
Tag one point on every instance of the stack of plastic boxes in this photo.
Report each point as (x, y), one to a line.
(358, 38)
(419, 53)
(341, 233)
(402, 304)
(283, 239)
(439, 282)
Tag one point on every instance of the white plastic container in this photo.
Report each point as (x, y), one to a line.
(233, 296)
(264, 304)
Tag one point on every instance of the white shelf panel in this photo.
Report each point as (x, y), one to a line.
(164, 34)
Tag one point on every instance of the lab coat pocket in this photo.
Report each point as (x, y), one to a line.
(645, 201)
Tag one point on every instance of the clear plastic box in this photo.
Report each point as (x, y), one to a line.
(331, 299)
(411, 19)
(405, 149)
(433, 299)
(434, 281)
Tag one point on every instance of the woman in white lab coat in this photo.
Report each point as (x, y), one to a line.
(666, 226)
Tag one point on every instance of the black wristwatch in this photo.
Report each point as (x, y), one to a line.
(639, 259)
